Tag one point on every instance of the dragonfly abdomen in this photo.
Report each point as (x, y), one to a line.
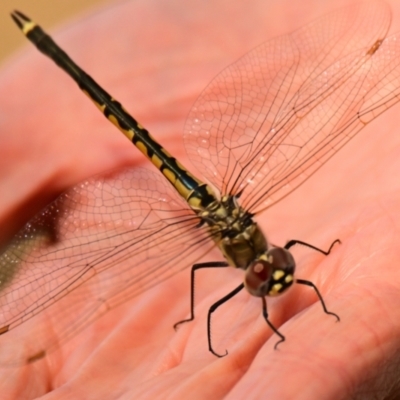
(192, 189)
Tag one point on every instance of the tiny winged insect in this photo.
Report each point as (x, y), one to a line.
(261, 128)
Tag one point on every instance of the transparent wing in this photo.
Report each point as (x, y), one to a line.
(96, 246)
(271, 119)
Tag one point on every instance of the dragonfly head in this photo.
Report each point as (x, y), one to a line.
(271, 274)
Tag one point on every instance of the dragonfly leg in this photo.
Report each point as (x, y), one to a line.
(265, 314)
(291, 243)
(212, 309)
(308, 283)
(195, 267)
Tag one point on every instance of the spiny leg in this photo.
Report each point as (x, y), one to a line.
(265, 315)
(308, 283)
(212, 309)
(291, 243)
(216, 264)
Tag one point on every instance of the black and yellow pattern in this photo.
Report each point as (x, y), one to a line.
(195, 192)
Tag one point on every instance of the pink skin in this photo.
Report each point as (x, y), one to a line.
(156, 58)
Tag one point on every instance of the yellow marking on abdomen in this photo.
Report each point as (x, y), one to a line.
(28, 26)
(194, 202)
(128, 133)
(142, 148)
(157, 161)
(182, 189)
(169, 175)
(101, 107)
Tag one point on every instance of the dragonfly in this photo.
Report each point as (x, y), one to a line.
(261, 128)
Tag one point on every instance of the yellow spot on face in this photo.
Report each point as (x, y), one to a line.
(288, 278)
(28, 26)
(275, 289)
(278, 274)
(142, 148)
(267, 258)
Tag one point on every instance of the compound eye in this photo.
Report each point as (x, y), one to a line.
(271, 274)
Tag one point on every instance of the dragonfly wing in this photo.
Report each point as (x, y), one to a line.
(96, 246)
(266, 122)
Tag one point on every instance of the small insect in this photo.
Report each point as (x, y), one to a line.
(261, 128)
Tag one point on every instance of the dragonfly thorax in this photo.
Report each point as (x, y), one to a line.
(269, 271)
(234, 231)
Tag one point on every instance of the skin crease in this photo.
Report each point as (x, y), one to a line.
(52, 137)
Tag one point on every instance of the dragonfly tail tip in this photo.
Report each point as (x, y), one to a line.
(19, 18)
